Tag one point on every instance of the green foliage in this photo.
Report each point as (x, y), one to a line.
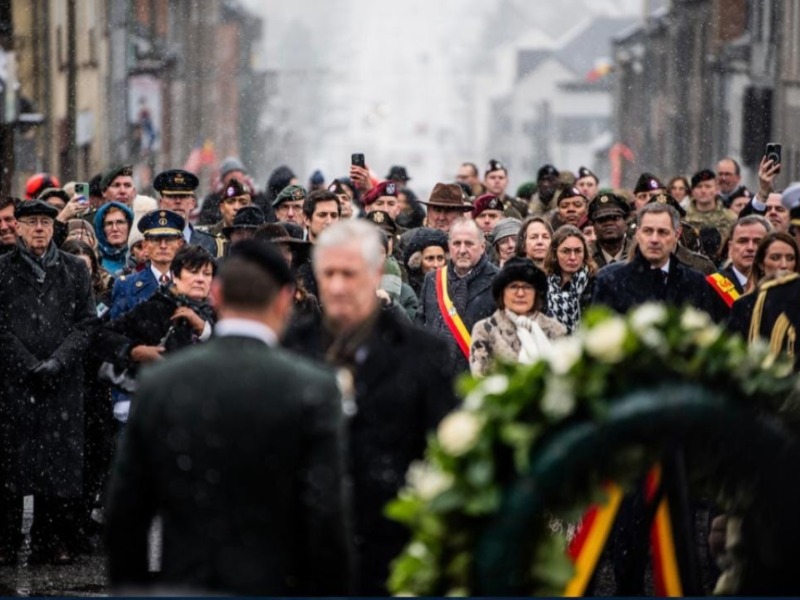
(480, 449)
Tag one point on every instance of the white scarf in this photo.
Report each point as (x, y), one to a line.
(534, 344)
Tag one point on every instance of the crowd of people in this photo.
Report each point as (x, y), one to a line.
(260, 368)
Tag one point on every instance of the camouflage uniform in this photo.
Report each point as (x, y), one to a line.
(537, 207)
(720, 218)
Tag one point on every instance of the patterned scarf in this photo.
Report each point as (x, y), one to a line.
(564, 303)
(458, 287)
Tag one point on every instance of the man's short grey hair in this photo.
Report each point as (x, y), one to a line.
(752, 220)
(346, 232)
(469, 222)
(657, 208)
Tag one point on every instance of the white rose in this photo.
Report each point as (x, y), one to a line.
(647, 316)
(691, 318)
(495, 384)
(707, 336)
(559, 399)
(566, 351)
(427, 481)
(458, 432)
(418, 550)
(474, 400)
(604, 341)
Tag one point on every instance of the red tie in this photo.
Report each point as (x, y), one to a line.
(164, 279)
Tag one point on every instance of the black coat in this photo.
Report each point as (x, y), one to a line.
(42, 421)
(480, 305)
(402, 391)
(624, 286)
(238, 446)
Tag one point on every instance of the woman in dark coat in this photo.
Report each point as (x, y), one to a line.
(570, 280)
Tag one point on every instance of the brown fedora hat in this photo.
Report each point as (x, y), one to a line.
(448, 195)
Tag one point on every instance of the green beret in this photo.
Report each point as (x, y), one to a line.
(110, 176)
(290, 192)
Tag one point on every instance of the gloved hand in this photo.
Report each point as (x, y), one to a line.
(50, 367)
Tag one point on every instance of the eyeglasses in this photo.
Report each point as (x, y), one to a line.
(34, 222)
(521, 287)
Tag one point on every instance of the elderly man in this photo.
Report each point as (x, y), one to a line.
(728, 283)
(238, 446)
(459, 295)
(46, 297)
(654, 273)
(177, 190)
(729, 176)
(445, 205)
(397, 388)
(288, 204)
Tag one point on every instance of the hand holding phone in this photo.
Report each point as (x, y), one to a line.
(773, 153)
(357, 160)
(82, 192)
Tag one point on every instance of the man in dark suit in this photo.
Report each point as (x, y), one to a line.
(399, 386)
(654, 274)
(237, 446)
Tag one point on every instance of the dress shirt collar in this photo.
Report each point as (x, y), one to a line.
(246, 328)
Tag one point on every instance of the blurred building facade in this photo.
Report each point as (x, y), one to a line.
(158, 83)
(699, 80)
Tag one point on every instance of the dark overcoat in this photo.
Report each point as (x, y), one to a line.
(238, 446)
(402, 390)
(42, 420)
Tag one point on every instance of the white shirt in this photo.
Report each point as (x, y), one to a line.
(246, 328)
(187, 233)
(741, 277)
(158, 273)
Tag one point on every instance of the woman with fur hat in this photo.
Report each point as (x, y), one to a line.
(518, 331)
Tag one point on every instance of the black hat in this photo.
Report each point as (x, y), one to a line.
(703, 175)
(34, 208)
(277, 234)
(571, 192)
(584, 172)
(520, 269)
(57, 192)
(668, 199)
(234, 188)
(247, 217)
(161, 223)
(176, 182)
(648, 182)
(112, 174)
(494, 165)
(382, 219)
(794, 216)
(608, 204)
(547, 171)
(398, 173)
(265, 256)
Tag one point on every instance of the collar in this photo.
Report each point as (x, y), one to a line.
(187, 233)
(158, 273)
(739, 275)
(665, 268)
(246, 328)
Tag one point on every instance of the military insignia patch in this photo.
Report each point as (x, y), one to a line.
(653, 184)
(298, 195)
(179, 179)
(391, 189)
(230, 192)
(661, 199)
(603, 199)
(378, 217)
(139, 284)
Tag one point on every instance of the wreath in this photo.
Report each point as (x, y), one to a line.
(481, 449)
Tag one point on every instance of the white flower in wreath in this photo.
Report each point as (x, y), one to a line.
(559, 398)
(707, 336)
(644, 322)
(605, 340)
(458, 432)
(495, 384)
(566, 351)
(692, 319)
(428, 482)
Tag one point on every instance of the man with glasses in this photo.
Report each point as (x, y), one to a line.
(609, 214)
(46, 297)
(112, 226)
(729, 177)
(288, 204)
(177, 190)
(163, 237)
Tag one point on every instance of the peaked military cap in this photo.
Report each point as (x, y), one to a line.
(176, 182)
(247, 217)
(295, 193)
(648, 182)
(112, 174)
(161, 223)
(668, 199)
(34, 208)
(608, 204)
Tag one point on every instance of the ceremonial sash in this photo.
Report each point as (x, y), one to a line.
(666, 571)
(587, 545)
(724, 287)
(450, 314)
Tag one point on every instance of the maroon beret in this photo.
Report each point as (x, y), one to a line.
(384, 188)
(486, 202)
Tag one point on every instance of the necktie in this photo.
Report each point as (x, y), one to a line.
(164, 279)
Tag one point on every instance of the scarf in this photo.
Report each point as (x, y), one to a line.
(534, 344)
(38, 264)
(344, 345)
(458, 287)
(564, 303)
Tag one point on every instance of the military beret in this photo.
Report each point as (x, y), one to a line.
(648, 182)
(486, 202)
(234, 188)
(703, 175)
(527, 190)
(266, 257)
(290, 193)
(547, 171)
(584, 172)
(608, 204)
(668, 199)
(337, 187)
(571, 192)
(494, 165)
(161, 223)
(176, 182)
(382, 219)
(247, 217)
(54, 192)
(35, 208)
(112, 174)
(384, 188)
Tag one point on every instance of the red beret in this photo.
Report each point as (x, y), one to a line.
(384, 188)
(486, 202)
